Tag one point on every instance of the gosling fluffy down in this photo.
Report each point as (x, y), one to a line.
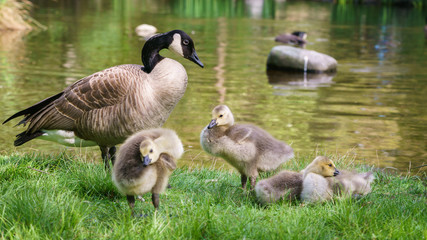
(317, 188)
(288, 184)
(246, 147)
(145, 162)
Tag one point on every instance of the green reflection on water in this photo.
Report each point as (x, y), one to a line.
(373, 106)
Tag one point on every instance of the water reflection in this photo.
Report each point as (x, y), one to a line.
(299, 80)
(222, 54)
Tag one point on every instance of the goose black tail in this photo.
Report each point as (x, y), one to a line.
(33, 109)
(25, 137)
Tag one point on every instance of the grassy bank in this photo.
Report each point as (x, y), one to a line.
(52, 197)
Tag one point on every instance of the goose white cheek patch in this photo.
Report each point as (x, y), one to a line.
(176, 45)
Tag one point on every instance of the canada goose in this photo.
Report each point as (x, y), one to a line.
(144, 163)
(108, 106)
(318, 188)
(289, 184)
(296, 37)
(246, 147)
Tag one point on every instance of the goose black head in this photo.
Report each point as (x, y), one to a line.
(183, 45)
(176, 41)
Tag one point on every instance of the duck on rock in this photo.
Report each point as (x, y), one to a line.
(297, 37)
(246, 147)
(108, 106)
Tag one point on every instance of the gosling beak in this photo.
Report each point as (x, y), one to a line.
(194, 58)
(212, 124)
(336, 172)
(145, 161)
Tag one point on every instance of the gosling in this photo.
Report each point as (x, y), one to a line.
(145, 162)
(316, 188)
(288, 184)
(246, 147)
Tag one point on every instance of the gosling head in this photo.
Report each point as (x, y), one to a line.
(323, 166)
(149, 152)
(221, 116)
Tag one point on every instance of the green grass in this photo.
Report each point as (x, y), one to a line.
(61, 197)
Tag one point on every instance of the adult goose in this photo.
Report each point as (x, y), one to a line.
(108, 106)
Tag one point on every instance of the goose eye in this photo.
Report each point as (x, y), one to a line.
(330, 165)
(151, 150)
(185, 42)
(221, 116)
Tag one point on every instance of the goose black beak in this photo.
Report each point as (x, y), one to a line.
(145, 161)
(212, 124)
(336, 172)
(194, 58)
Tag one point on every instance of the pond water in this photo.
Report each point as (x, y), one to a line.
(373, 108)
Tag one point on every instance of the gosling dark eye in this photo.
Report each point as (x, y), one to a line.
(330, 165)
(220, 116)
(151, 150)
(186, 42)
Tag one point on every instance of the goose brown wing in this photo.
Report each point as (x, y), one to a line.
(99, 90)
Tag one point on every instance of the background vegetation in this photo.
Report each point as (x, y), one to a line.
(15, 15)
(61, 197)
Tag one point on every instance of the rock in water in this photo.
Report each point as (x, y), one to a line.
(294, 59)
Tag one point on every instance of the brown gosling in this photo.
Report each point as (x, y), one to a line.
(288, 184)
(108, 106)
(317, 188)
(248, 148)
(145, 162)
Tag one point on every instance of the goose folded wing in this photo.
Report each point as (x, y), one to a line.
(97, 91)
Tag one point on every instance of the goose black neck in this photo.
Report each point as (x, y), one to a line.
(150, 52)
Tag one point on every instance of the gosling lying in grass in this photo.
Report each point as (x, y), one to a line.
(145, 162)
(246, 147)
(317, 188)
(288, 184)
